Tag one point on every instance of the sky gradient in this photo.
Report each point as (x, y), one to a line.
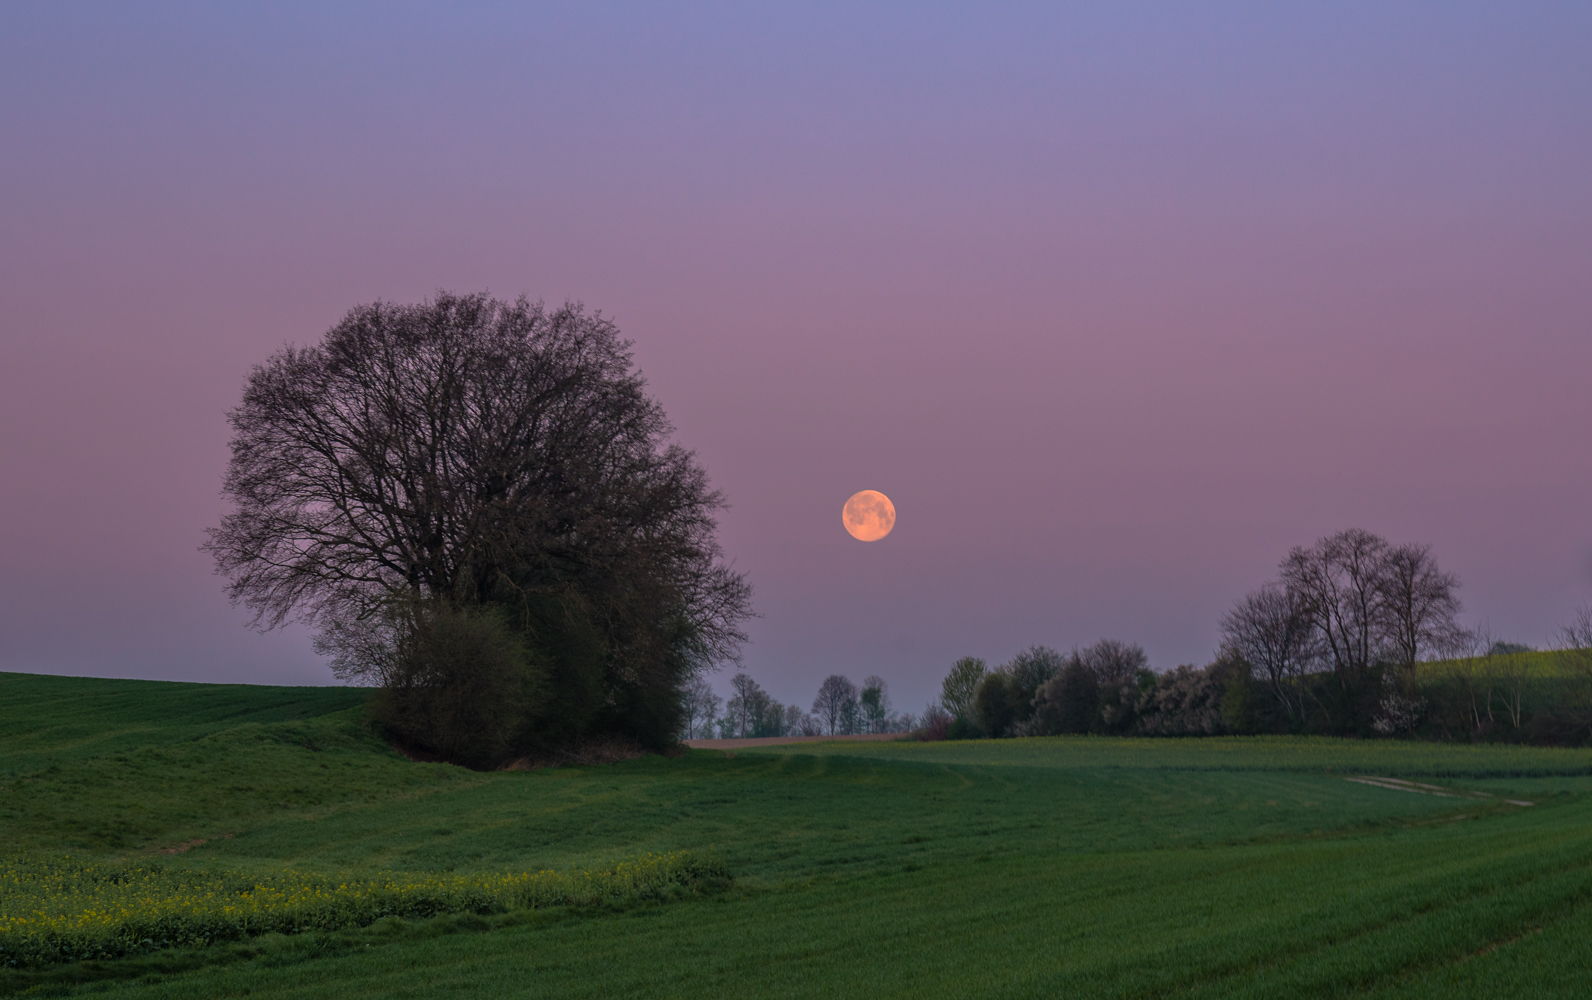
(1115, 302)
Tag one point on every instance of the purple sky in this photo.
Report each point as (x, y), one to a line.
(1116, 303)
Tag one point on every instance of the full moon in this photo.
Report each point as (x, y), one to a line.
(868, 515)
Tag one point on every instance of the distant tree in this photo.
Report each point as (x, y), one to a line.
(1272, 630)
(960, 685)
(749, 707)
(994, 706)
(875, 703)
(1339, 583)
(1113, 662)
(1578, 634)
(471, 453)
(1119, 669)
(699, 706)
(770, 718)
(799, 723)
(1186, 701)
(851, 721)
(1418, 607)
(836, 704)
(1025, 675)
(1575, 645)
(935, 723)
(1067, 702)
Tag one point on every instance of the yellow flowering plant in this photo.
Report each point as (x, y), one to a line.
(63, 909)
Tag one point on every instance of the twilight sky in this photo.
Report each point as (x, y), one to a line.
(1116, 302)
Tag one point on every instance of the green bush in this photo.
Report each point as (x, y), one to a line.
(463, 685)
(995, 704)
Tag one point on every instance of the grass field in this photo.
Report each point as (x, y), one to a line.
(1051, 867)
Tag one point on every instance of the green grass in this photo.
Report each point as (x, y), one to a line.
(1269, 754)
(49, 720)
(1071, 866)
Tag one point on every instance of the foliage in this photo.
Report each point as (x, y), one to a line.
(995, 706)
(1027, 672)
(462, 684)
(961, 686)
(935, 723)
(1121, 670)
(1068, 702)
(874, 702)
(470, 452)
(1186, 701)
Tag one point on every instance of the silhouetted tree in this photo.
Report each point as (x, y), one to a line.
(473, 453)
(799, 723)
(1118, 669)
(960, 685)
(1271, 629)
(1338, 583)
(836, 703)
(1418, 606)
(994, 706)
(1067, 702)
(750, 709)
(699, 706)
(1025, 675)
(875, 703)
(1186, 701)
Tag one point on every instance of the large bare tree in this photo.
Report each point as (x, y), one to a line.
(1271, 629)
(471, 451)
(1419, 607)
(1338, 582)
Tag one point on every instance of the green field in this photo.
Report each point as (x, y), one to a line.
(1050, 867)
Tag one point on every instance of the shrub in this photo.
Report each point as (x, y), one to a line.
(462, 684)
(963, 729)
(994, 706)
(1184, 702)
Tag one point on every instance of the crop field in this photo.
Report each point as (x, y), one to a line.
(290, 853)
(1537, 663)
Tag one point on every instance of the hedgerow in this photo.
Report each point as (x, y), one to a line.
(65, 910)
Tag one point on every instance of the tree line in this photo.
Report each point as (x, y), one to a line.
(840, 709)
(1333, 645)
(476, 506)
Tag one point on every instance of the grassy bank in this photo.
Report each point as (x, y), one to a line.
(1069, 866)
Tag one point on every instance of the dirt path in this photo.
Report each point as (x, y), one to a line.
(1400, 785)
(769, 741)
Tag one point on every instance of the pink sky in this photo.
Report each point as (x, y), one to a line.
(1115, 306)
